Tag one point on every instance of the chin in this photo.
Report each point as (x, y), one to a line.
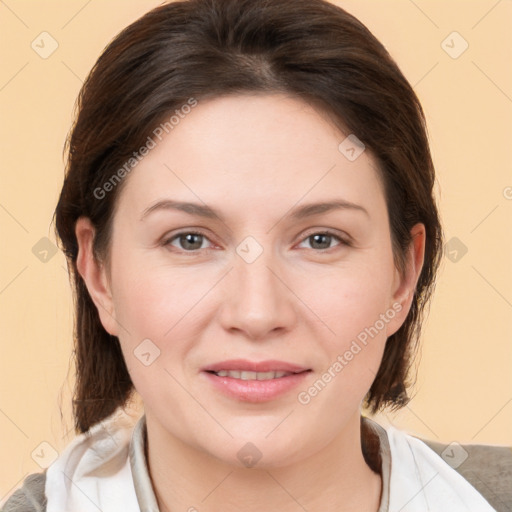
(256, 451)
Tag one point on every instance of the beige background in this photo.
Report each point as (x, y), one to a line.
(464, 387)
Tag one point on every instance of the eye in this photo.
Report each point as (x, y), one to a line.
(322, 240)
(189, 241)
(192, 241)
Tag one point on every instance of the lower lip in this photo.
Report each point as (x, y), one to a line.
(256, 390)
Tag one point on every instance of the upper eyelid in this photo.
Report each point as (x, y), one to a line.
(343, 236)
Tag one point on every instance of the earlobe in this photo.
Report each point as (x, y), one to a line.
(94, 275)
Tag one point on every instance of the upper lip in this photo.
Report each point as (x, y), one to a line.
(255, 366)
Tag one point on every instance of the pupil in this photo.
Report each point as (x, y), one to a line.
(319, 238)
(189, 240)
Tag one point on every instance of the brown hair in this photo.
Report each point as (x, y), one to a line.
(308, 49)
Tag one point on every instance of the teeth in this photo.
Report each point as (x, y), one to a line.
(243, 375)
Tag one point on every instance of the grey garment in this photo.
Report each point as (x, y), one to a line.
(487, 468)
(30, 497)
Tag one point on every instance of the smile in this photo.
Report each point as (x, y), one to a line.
(249, 381)
(245, 375)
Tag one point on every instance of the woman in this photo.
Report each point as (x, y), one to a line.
(249, 218)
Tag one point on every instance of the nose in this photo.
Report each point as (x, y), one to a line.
(257, 300)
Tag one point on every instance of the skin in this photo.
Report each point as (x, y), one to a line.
(252, 158)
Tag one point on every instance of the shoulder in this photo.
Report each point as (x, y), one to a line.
(102, 450)
(29, 497)
(487, 468)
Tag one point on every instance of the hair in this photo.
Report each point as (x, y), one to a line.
(307, 49)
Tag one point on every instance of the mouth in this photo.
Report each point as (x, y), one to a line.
(255, 382)
(245, 375)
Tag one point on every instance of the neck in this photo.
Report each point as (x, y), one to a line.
(336, 478)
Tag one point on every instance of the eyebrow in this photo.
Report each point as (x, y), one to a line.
(301, 212)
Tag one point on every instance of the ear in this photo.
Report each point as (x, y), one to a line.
(94, 275)
(404, 285)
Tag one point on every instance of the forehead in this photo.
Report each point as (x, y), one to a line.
(247, 150)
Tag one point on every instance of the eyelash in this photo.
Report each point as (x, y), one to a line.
(343, 241)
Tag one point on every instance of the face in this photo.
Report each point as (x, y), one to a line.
(250, 311)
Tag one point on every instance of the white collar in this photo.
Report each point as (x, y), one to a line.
(421, 481)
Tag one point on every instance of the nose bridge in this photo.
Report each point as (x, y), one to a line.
(258, 286)
(258, 302)
(256, 276)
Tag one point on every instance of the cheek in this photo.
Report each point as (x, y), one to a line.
(358, 319)
(153, 301)
(350, 299)
(157, 307)
(356, 308)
